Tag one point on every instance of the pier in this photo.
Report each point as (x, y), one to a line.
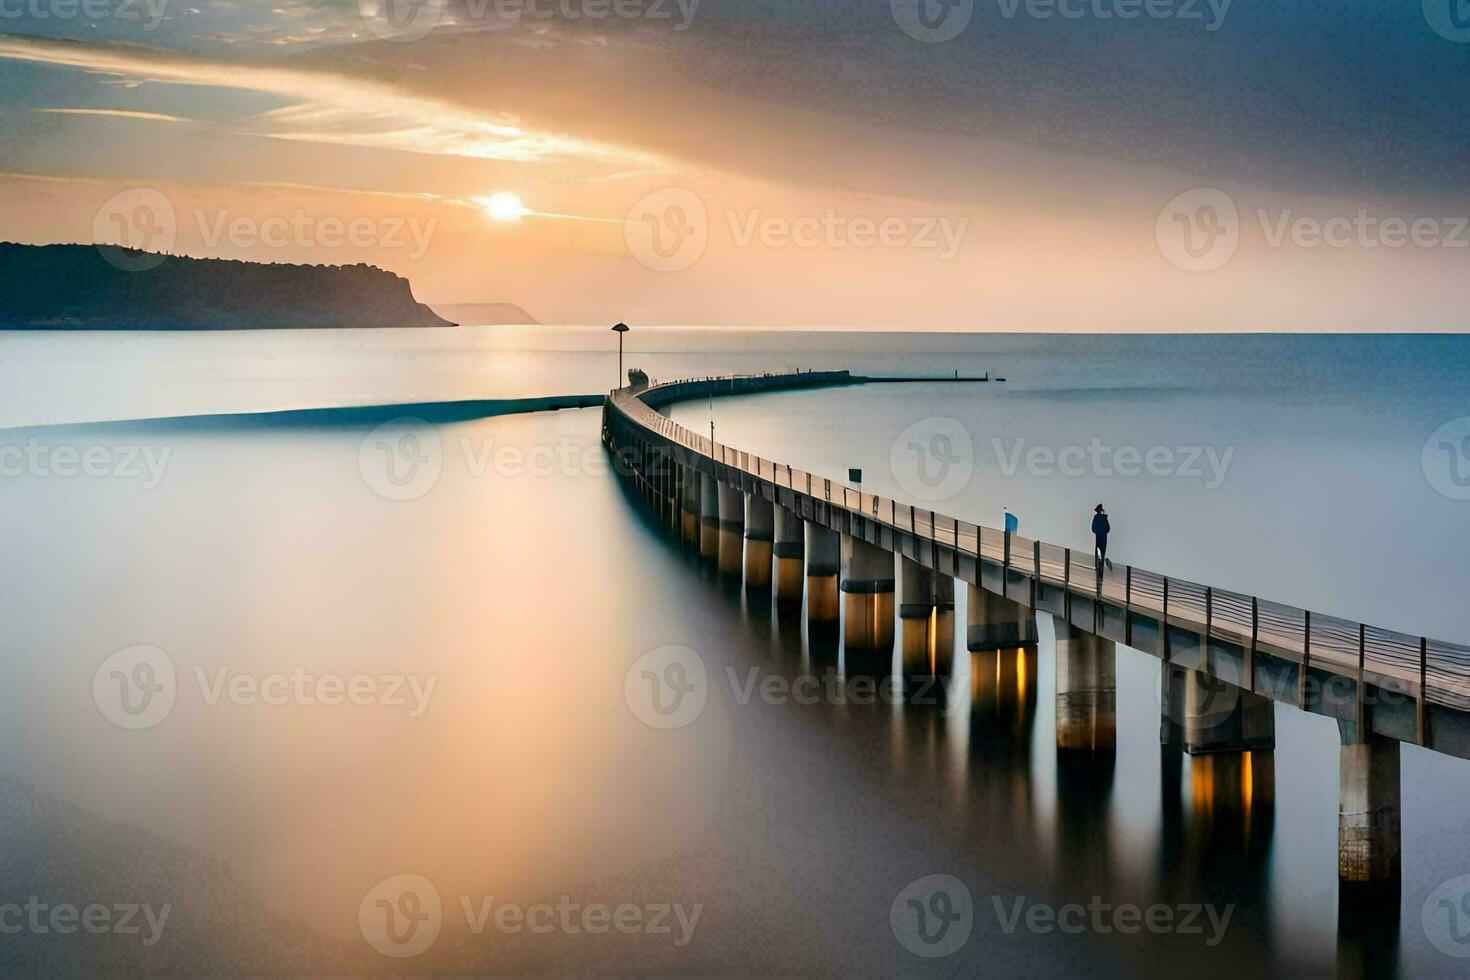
(867, 559)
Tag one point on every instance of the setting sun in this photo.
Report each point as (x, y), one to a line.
(504, 206)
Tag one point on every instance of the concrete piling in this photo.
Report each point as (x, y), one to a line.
(760, 533)
(867, 587)
(1087, 691)
(823, 564)
(709, 516)
(1368, 835)
(790, 552)
(996, 623)
(1203, 714)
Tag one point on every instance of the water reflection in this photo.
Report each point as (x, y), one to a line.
(1002, 737)
(796, 821)
(965, 740)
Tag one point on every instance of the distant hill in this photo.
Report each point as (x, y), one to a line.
(485, 314)
(91, 287)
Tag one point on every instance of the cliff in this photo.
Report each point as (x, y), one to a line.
(87, 287)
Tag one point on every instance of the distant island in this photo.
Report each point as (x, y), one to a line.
(487, 314)
(104, 287)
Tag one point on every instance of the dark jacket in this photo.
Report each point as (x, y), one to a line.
(1100, 525)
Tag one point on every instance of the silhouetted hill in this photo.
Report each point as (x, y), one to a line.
(89, 287)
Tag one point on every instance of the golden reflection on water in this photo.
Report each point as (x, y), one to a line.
(1232, 787)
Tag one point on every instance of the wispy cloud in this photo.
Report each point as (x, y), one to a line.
(119, 114)
(330, 108)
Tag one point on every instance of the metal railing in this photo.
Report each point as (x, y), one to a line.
(1430, 670)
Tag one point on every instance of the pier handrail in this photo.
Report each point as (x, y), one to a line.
(1431, 670)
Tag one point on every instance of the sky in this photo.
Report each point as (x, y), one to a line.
(1087, 165)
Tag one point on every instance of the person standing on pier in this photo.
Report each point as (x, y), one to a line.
(1101, 528)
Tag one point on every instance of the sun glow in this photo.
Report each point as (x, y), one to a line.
(504, 206)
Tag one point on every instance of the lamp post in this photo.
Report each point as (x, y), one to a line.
(620, 329)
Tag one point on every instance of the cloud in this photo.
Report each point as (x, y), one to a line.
(119, 114)
(330, 107)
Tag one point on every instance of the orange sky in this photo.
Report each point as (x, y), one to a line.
(669, 176)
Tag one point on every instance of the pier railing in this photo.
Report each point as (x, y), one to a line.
(1429, 670)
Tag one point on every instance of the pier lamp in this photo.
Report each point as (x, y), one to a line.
(620, 329)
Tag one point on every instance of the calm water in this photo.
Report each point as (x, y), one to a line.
(491, 622)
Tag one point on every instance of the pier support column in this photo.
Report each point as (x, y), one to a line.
(823, 562)
(1368, 840)
(790, 551)
(689, 484)
(709, 516)
(867, 584)
(943, 625)
(1087, 691)
(995, 623)
(916, 590)
(732, 528)
(760, 533)
(1203, 714)
(926, 620)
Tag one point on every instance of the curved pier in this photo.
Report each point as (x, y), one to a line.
(1227, 655)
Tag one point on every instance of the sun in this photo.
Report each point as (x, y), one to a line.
(504, 206)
